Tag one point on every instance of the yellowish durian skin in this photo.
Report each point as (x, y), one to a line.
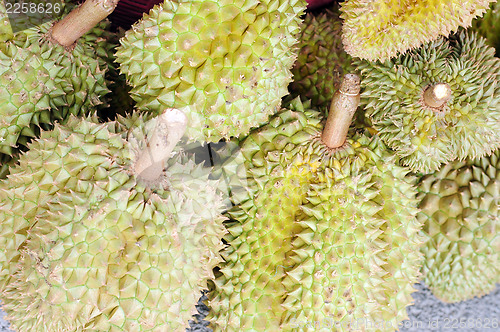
(379, 29)
(460, 210)
(89, 246)
(309, 216)
(229, 60)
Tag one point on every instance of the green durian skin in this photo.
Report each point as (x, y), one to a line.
(42, 82)
(89, 246)
(379, 30)
(460, 210)
(5, 29)
(322, 61)
(311, 211)
(466, 126)
(228, 60)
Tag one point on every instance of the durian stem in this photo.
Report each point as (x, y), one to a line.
(83, 18)
(436, 95)
(170, 127)
(342, 109)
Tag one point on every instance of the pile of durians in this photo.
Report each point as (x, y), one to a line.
(354, 152)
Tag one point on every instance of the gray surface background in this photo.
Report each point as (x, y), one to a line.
(428, 314)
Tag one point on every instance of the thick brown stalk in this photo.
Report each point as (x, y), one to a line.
(342, 109)
(170, 128)
(436, 95)
(83, 18)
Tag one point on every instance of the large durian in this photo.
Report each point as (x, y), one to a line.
(228, 60)
(460, 210)
(96, 235)
(322, 234)
(322, 61)
(438, 103)
(380, 29)
(43, 80)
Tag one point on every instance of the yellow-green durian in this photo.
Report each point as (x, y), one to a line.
(437, 103)
(228, 60)
(380, 29)
(41, 81)
(460, 210)
(320, 234)
(90, 244)
(322, 61)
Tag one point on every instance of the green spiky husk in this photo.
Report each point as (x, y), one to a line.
(311, 214)
(461, 215)
(87, 245)
(42, 82)
(321, 62)
(466, 126)
(230, 60)
(379, 29)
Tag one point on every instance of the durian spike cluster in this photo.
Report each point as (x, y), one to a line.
(229, 61)
(460, 210)
(94, 242)
(437, 103)
(380, 29)
(321, 61)
(43, 81)
(114, 226)
(318, 225)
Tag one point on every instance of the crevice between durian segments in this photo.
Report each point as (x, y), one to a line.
(170, 127)
(83, 18)
(342, 108)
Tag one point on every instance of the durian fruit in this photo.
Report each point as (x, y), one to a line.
(379, 30)
(5, 29)
(43, 80)
(322, 61)
(100, 233)
(323, 232)
(460, 210)
(489, 26)
(438, 103)
(229, 61)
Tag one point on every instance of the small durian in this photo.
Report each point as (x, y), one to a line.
(47, 73)
(322, 61)
(100, 232)
(437, 103)
(380, 29)
(228, 60)
(460, 211)
(327, 228)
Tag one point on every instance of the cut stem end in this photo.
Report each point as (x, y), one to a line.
(437, 95)
(342, 108)
(83, 18)
(170, 127)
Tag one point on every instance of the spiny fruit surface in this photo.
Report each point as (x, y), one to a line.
(41, 81)
(322, 61)
(380, 29)
(319, 233)
(88, 246)
(5, 29)
(461, 215)
(465, 126)
(488, 26)
(229, 60)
